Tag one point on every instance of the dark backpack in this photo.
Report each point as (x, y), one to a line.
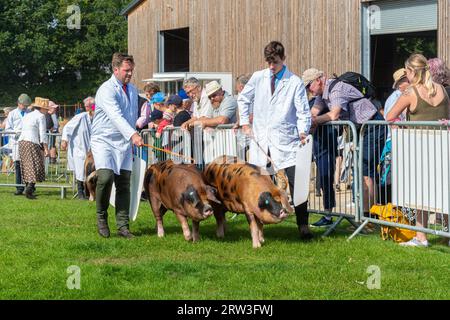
(358, 81)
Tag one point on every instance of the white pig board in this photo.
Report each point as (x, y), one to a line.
(136, 185)
(303, 171)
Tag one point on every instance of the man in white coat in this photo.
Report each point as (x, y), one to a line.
(113, 134)
(281, 120)
(14, 123)
(76, 139)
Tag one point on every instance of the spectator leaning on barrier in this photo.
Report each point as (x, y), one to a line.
(401, 83)
(182, 114)
(202, 105)
(157, 101)
(187, 102)
(346, 102)
(325, 152)
(150, 90)
(33, 146)
(76, 136)
(172, 104)
(424, 100)
(113, 134)
(281, 119)
(14, 123)
(224, 107)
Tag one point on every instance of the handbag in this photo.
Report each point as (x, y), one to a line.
(393, 214)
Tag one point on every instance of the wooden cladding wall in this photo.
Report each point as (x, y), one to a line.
(229, 36)
(444, 30)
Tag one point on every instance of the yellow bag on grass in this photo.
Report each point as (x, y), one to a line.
(392, 214)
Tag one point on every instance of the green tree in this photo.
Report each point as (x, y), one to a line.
(40, 55)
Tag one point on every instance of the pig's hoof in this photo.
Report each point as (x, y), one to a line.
(261, 240)
(188, 238)
(257, 245)
(220, 234)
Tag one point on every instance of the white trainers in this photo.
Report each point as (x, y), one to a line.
(414, 242)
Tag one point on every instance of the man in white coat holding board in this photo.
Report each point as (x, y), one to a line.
(113, 134)
(281, 120)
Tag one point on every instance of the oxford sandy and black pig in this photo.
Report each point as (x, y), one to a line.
(242, 188)
(180, 188)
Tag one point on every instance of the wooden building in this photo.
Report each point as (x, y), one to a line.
(370, 37)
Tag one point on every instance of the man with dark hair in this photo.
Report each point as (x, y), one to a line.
(281, 120)
(113, 133)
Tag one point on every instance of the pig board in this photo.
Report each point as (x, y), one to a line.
(136, 185)
(303, 171)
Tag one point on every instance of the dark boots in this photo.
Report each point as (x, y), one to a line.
(29, 191)
(80, 187)
(102, 226)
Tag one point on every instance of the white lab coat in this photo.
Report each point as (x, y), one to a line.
(113, 125)
(78, 134)
(278, 120)
(14, 123)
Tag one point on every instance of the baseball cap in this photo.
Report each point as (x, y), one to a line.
(310, 75)
(158, 97)
(183, 95)
(174, 99)
(156, 115)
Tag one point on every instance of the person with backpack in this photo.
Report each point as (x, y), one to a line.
(349, 97)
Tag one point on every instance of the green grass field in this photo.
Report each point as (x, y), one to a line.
(40, 239)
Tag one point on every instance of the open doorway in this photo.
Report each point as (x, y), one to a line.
(390, 51)
(174, 50)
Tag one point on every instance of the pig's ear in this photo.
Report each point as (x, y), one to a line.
(211, 194)
(285, 202)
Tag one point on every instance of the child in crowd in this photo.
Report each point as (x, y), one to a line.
(172, 103)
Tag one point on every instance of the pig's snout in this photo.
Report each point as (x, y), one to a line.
(283, 214)
(207, 210)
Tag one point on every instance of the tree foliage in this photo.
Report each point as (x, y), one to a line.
(41, 56)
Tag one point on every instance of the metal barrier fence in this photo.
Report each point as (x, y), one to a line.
(174, 144)
(334, 178)
(56, 173)
(410, 171)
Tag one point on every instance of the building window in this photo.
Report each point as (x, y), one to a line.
(173, 51)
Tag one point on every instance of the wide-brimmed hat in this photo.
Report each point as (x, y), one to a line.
(212, 87)
(40, 103)
(398, 75)
(51, 104)
(310, 75)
